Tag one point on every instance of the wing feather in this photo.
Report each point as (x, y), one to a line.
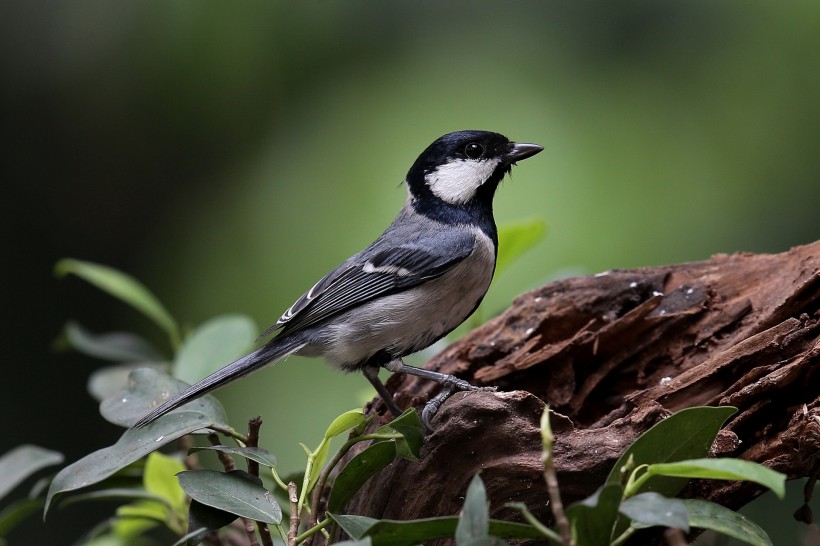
(379, 270)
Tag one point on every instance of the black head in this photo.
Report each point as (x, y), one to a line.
(464, 167)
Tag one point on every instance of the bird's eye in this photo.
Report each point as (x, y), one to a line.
(473, 150)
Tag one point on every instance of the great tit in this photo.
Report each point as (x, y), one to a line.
(412, 286)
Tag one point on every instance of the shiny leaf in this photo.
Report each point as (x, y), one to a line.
(723, 469)
(146, 389)
(651, 509)
(106, 381)
(258, 454)
(708, 515)
(132, 446)
(232, 492)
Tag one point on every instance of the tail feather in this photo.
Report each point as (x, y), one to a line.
(274, 350)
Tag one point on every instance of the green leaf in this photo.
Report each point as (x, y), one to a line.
(358, 470)
(593, 518)
(146, 389)
(106, 381)
(723, 469)
(651, 509)
(258, 454)
(708, 515)
(126, 288)
(120, 493)
(410, 532)
(319, 458)
(212, 345)
(114, 346)
(133, 445)
(687, 434)
(409, 426)
(515, 239)
(159, 478)
(474, 522)
(344, 422)
(232, 492)
(356, 526)
(23, 461)
(150, 510)
(129, 525)
(202, 516)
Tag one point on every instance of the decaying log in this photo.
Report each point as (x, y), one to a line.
(613, 354)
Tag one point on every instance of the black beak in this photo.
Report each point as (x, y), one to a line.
(521, 150)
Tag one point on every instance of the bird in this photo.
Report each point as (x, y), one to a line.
(424, 276)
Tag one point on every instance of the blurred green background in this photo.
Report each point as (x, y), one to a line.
(229, 154)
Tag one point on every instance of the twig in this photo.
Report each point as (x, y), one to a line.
(254, 424)
(227, 461)
(294, 514)
(550, 476)
(191, 459)
(253, 441)
(230, 465)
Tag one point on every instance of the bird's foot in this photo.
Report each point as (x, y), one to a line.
(449, 385)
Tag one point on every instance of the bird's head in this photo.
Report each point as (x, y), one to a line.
(465, 167)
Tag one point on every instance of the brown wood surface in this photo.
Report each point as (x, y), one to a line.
(613, 354)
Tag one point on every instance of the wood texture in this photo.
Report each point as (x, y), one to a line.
(613, 354)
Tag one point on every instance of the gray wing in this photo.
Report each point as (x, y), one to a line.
(379, 270)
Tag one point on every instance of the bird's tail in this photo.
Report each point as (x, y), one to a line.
(272, 351)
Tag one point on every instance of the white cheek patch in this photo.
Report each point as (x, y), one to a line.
(456, 182)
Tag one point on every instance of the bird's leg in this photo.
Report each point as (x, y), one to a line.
(372, 374)
(449, 384)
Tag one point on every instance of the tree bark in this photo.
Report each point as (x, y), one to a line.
(613, 354)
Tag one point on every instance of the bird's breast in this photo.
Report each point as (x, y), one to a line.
(414, 319)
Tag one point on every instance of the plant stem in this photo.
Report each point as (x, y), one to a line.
(228, 431)
(313, 530)
(551, 477)
(278, 480)
(634, 484)
(530, 518)
(624, 537)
